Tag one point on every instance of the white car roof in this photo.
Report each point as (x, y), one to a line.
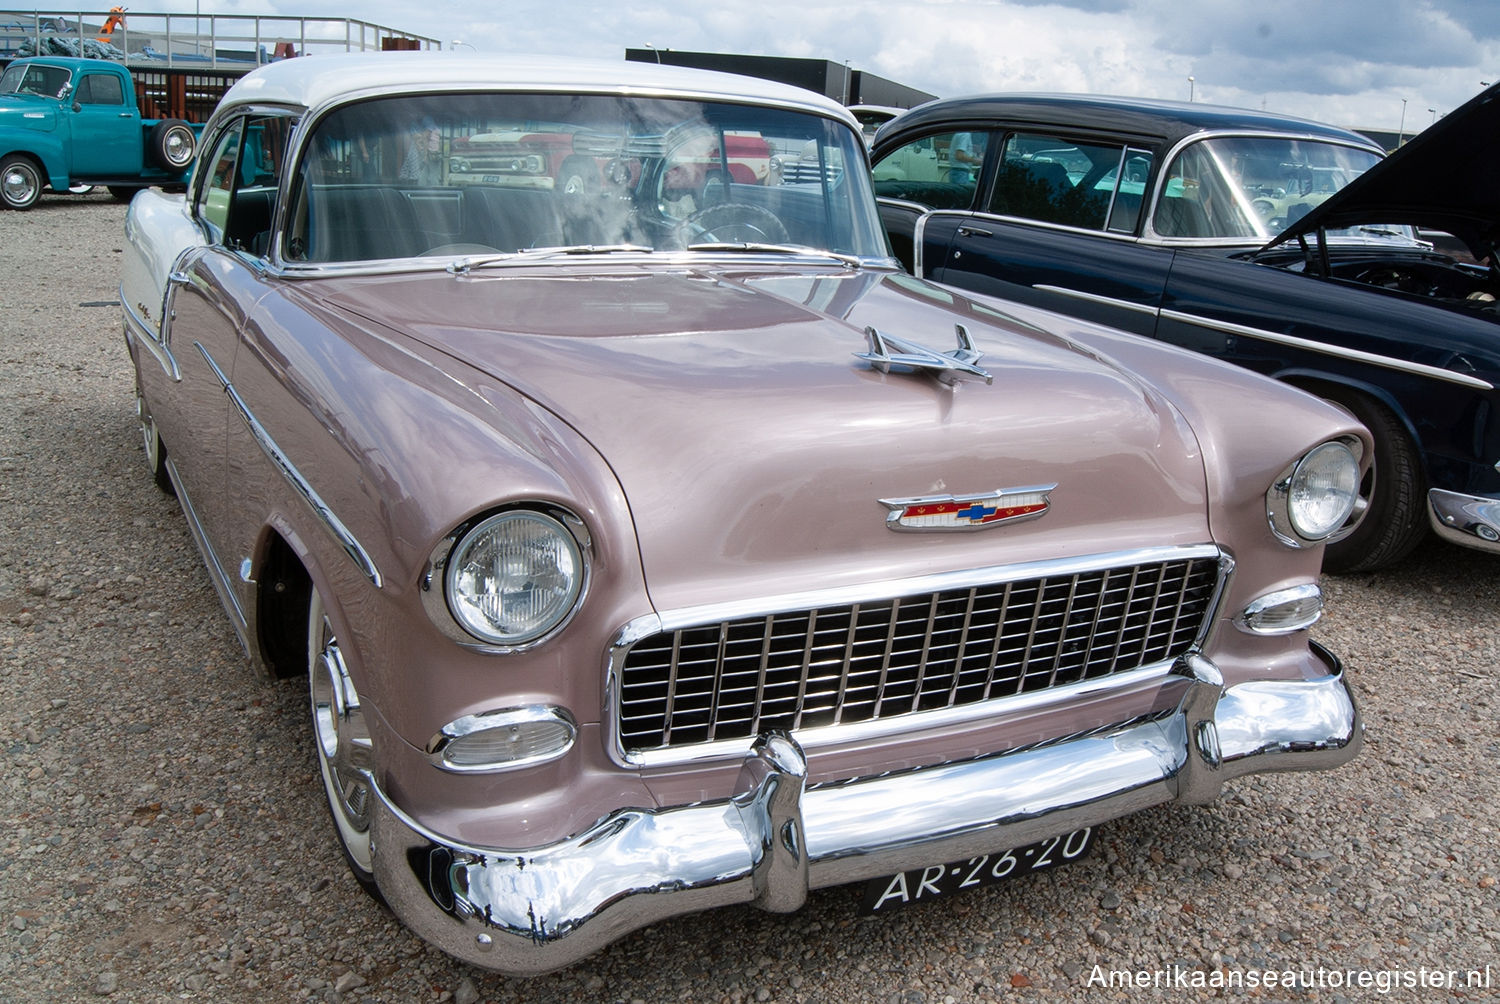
(316, 81)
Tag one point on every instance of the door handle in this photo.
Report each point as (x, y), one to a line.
(970, 231)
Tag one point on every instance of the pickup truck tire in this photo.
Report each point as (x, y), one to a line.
(20, 182)
(123, 193)
(172, 145)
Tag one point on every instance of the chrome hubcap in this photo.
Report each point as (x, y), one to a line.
(343, 744)
(20, 185)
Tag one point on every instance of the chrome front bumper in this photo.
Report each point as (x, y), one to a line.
(527, 912)
(1466, 520)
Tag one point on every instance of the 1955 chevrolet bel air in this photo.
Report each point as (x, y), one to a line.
(651, 542)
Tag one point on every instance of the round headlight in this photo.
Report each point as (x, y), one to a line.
(1323, 490)
(514, 577)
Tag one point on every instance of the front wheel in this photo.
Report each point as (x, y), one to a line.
(1393, 494)
(20, 182)
(341, 742)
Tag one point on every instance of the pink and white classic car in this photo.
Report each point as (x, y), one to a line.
(652, 547)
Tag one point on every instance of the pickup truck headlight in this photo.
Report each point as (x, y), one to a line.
(1312, 502)
(514, 577)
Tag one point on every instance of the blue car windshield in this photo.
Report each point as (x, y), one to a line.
(1254, 187)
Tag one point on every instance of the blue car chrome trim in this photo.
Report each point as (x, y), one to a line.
(940, 513)
(530, 910)
(1405, 366)
(1469, 520)
(321, 510)
(1106, 301)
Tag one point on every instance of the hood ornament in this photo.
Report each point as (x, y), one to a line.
(968, 512)
(887, 352)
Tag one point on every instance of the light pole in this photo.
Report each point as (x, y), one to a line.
(1434, 116)
(1401, 135)
(655, 51)
(1191, 82)
(459, 41)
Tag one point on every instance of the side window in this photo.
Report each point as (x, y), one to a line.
(1055, 180)
(218, 188)
(244, 173)
(100, 89)
(940, 170)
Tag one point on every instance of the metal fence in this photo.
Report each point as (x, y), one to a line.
(186, 41)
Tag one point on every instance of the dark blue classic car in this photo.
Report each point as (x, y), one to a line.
(1284, 245)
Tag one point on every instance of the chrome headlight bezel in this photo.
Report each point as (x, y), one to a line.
(440, 580)
(1297, 524)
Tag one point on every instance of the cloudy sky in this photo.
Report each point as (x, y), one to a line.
(1350, 62)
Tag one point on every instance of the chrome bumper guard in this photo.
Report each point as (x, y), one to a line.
(528, 912)
(1466, 520)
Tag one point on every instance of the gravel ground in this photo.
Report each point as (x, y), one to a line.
(165, 836)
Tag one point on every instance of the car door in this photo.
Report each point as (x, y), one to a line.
(203, 307)
(107, 137)
(1056, 227)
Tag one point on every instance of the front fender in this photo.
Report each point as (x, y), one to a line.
(45, 147)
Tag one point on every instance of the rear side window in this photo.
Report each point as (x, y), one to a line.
(100, 89)
(1095, 186)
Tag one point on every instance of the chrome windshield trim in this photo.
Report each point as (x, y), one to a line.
(1323, 348)
(1106, 301)
(321, 509)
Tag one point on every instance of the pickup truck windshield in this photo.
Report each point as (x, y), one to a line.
(472, 174)
(33, 78)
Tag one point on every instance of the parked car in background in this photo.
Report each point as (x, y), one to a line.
(644, 556)
(67, 123)
(1286, 246)
(872, 117)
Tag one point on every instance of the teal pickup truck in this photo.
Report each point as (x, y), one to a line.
(67, 121)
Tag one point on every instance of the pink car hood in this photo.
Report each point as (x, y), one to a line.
(754, 448)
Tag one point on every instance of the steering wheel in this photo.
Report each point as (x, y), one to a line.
(730, 222)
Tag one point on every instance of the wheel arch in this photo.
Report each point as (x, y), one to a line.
(283, 587)
(1336, 389)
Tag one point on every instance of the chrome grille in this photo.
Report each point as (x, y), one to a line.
(866, 662)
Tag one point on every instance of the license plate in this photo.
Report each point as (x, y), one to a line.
(919, 885)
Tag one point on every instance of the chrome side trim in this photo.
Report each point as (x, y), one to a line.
(216, 571)
(321, 510)
(136, 325)
(1323, 348)
(1106, 301)
(527, 911)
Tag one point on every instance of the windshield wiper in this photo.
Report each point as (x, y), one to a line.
(479, 261)
(754, 247)
(584, 249)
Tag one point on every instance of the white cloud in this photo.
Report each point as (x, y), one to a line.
(1345, 61)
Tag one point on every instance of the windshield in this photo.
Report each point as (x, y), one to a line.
(34, 78)
(474, 174)
(1244, 187)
